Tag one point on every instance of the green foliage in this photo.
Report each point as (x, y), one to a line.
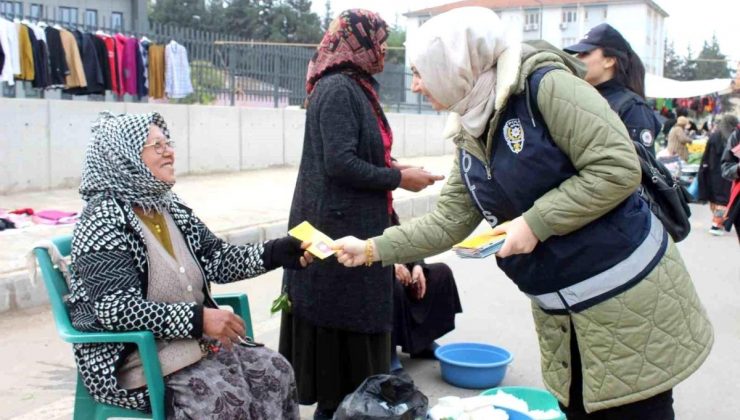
(207, 79)
(328, 16)
(185, 13)
(673, 62)
(259, 20)
(396, 38)
(709, 64)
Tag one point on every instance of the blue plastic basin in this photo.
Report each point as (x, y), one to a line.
(473, 365)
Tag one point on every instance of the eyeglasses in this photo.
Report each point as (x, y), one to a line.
(159, 146)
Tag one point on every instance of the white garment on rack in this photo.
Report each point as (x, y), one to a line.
(11, 48)
(40, 34)
(177, 82)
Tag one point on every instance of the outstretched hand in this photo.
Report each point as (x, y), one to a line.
(416, 179)
(287, 252)
(351, 251)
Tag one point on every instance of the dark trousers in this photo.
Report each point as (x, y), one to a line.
(657, 407)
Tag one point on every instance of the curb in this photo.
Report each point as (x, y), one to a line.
(17, 292)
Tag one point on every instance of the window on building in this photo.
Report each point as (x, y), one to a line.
(116, 21)
(91, 18)
(570, 15)
(568, 41)
(14, 8)
(532, 17)
(37, 11)
(68, 15)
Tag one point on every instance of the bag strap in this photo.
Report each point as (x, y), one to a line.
(533, 84)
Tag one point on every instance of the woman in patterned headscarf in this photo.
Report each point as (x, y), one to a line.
(142, 261)
(338, 332)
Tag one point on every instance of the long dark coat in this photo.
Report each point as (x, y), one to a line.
(342, 189)
(712, 186)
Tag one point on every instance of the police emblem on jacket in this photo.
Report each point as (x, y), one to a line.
(514, 135)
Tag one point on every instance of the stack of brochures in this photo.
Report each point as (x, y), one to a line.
(479, 246)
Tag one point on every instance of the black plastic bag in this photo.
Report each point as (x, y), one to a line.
(384, 397)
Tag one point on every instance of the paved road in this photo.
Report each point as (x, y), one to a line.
(37, 379)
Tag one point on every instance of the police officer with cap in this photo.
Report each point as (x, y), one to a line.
(618, 74)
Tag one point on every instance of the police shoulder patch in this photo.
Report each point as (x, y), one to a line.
(646, 137)
(514, 135)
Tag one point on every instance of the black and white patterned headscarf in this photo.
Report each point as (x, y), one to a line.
(113, 165)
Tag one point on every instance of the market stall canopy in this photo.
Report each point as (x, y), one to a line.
(660, 87)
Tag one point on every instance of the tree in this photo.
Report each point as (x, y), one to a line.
(711, 63)
(396, 38)
(184, 13)
(672, 63)
(328, 16)
(270, 20)
(688, 70)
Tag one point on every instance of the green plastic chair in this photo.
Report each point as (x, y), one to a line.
(85, 406)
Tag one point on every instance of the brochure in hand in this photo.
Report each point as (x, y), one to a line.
(321, 245)
(479, 246)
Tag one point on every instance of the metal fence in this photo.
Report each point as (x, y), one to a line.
(228, 70)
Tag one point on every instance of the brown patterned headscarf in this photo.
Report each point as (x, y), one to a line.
(351, 43)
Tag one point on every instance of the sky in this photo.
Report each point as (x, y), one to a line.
(690, 22)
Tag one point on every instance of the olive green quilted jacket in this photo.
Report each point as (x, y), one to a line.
(635, 345)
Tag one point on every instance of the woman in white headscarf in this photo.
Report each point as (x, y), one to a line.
(618, 319)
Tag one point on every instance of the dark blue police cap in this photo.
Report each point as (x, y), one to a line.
(600, 36)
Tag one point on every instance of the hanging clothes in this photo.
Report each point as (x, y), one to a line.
(6, 67)
(12, 65)
(120, 48)
(103, 63)
(58, 69)
(90, 66)
(76, 76)
(40, 58)
(144, 44)
(26, 53)
(112, 54)
(141, 89)
(177, 71)
(156, 71)
(128, 63)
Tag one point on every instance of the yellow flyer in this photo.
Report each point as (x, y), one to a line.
(321, 245)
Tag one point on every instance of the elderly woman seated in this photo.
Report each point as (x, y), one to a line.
(142, 261)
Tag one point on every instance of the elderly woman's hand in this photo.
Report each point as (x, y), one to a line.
(286, 252)
(226, 327)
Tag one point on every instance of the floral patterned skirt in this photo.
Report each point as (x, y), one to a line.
(245, 383)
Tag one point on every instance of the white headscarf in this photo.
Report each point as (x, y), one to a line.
(455, 54)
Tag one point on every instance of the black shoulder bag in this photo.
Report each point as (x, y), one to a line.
(666, 197)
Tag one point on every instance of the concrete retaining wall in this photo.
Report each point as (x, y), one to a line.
(43, 142)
